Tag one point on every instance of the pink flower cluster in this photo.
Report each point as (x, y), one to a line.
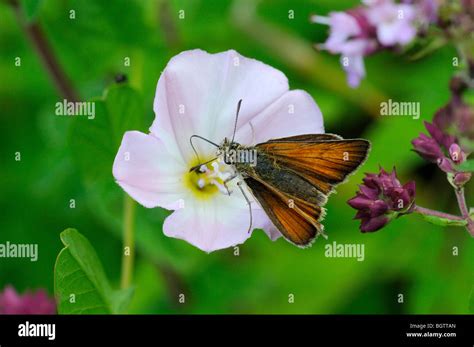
(376, 25)
(29, 303)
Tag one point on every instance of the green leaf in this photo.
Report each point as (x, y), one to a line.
(426, 47)
(468, 165)
(471, 301)
(444, 221)
(80, 284)
(121, 299)
(31, 8)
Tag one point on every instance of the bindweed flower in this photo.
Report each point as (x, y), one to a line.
(197, 94)
(29, 303)
(382, 198)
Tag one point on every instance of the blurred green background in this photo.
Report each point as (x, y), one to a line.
(408, 257)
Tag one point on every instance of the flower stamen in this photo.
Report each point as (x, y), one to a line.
(210, 178)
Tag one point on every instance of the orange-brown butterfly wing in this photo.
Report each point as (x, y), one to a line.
(296, 219)
(325, 160)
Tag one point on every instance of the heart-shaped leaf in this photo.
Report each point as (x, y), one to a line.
(80, 284)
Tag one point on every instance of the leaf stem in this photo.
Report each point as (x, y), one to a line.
(429, 212)
(128, 242)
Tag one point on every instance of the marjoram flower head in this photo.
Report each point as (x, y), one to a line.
(382, 198)
(36, 302)
(442, 149)
(376, 25)
(352, 37)
(197, 93)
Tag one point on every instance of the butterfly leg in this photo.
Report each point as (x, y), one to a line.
(239, 184)
(228, 180)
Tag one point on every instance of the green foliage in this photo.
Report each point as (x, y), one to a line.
(443, 221)
(468, 165)
(80, 284)
(67, 158)
(31, 8)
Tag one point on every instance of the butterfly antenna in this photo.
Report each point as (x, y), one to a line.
(201, 164)
(195, 152)
(236, 119)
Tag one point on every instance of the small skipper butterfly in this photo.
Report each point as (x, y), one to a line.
(292, 177)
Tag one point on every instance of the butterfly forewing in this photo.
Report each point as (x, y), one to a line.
(325, 161)
(294, 175)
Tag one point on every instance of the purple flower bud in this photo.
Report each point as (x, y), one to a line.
(373, 224)
(427, 148)
(456, 117)
(446, 165)
(381, 198)
(457, 85)
(360, 202)
(456, 153)
(439, 136)
(461, 178)
(429, 11)
(29, 303)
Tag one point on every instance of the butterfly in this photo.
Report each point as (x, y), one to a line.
(292, 177)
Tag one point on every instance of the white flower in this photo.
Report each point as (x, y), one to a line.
(394, 22)
(197, 94)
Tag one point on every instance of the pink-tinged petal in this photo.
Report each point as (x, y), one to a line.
(355, 69)
(148, 172)
(394, 22)
(294, 113)
(198, 93)
(342, 27)
(217, 223)
(272, 232)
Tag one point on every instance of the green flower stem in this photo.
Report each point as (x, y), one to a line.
(434, 213)
(464, 210)
(128, 242)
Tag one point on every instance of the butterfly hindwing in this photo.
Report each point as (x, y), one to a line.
(296, 219)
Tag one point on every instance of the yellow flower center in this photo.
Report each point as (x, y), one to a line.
(209, 178)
